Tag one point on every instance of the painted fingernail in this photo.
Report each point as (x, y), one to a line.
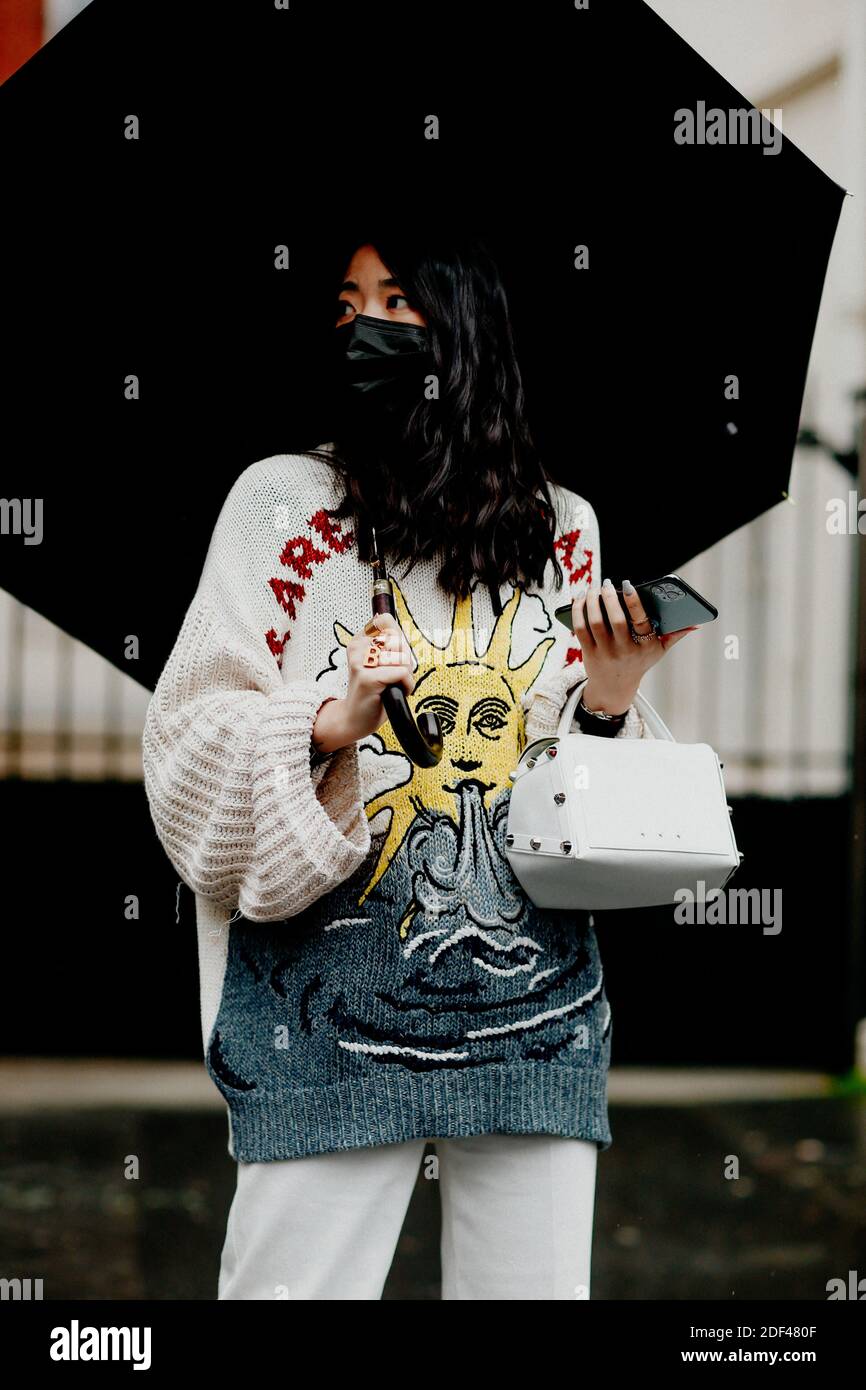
(627, 586)
(606, 584)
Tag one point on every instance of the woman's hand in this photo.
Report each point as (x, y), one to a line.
(615, 664)
(344, 721)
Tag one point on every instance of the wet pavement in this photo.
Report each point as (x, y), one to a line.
(669, 1223)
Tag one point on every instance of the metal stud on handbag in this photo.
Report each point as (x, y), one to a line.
(598, 823)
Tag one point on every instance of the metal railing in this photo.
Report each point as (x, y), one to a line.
(768, 684)
(65, 712)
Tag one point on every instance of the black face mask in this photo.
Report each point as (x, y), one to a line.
(380, 368)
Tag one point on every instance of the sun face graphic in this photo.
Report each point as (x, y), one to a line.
(448, 965)
(477, 699)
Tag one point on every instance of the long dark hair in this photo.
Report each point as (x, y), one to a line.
(464, 475)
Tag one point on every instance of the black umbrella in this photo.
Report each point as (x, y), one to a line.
(156, 173)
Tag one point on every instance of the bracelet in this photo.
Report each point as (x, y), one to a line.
(316, 758)
(316, 754)
(597, 721)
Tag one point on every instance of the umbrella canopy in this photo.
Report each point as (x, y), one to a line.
(176, 197)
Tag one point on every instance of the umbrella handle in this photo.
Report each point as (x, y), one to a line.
(421, 739)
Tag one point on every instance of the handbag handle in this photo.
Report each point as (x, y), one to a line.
(651, 716)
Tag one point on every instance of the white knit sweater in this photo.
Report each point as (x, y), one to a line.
(245, 822)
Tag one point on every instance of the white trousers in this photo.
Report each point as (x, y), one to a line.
(517, 1214)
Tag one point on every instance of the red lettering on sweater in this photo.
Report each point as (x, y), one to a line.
(567, 544)
(300, 554)
(275, 644)
(330, 531)
(286, 592)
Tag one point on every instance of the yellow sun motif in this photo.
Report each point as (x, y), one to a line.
(477, 699)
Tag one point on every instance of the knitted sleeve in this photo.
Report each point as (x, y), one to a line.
(240, 813)
(580, 555)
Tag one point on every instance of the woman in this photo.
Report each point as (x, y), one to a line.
(372, 975)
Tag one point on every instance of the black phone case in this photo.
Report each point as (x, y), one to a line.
(670, 604)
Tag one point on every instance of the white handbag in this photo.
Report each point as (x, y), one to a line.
(598, 823)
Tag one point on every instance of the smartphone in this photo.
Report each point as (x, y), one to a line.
(669, 603)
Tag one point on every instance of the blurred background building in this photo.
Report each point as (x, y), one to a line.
(785, 587)
(25, 25)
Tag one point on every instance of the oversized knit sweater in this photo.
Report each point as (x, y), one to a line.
(370, 968)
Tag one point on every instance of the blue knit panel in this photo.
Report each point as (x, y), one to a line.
(344, 1026)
